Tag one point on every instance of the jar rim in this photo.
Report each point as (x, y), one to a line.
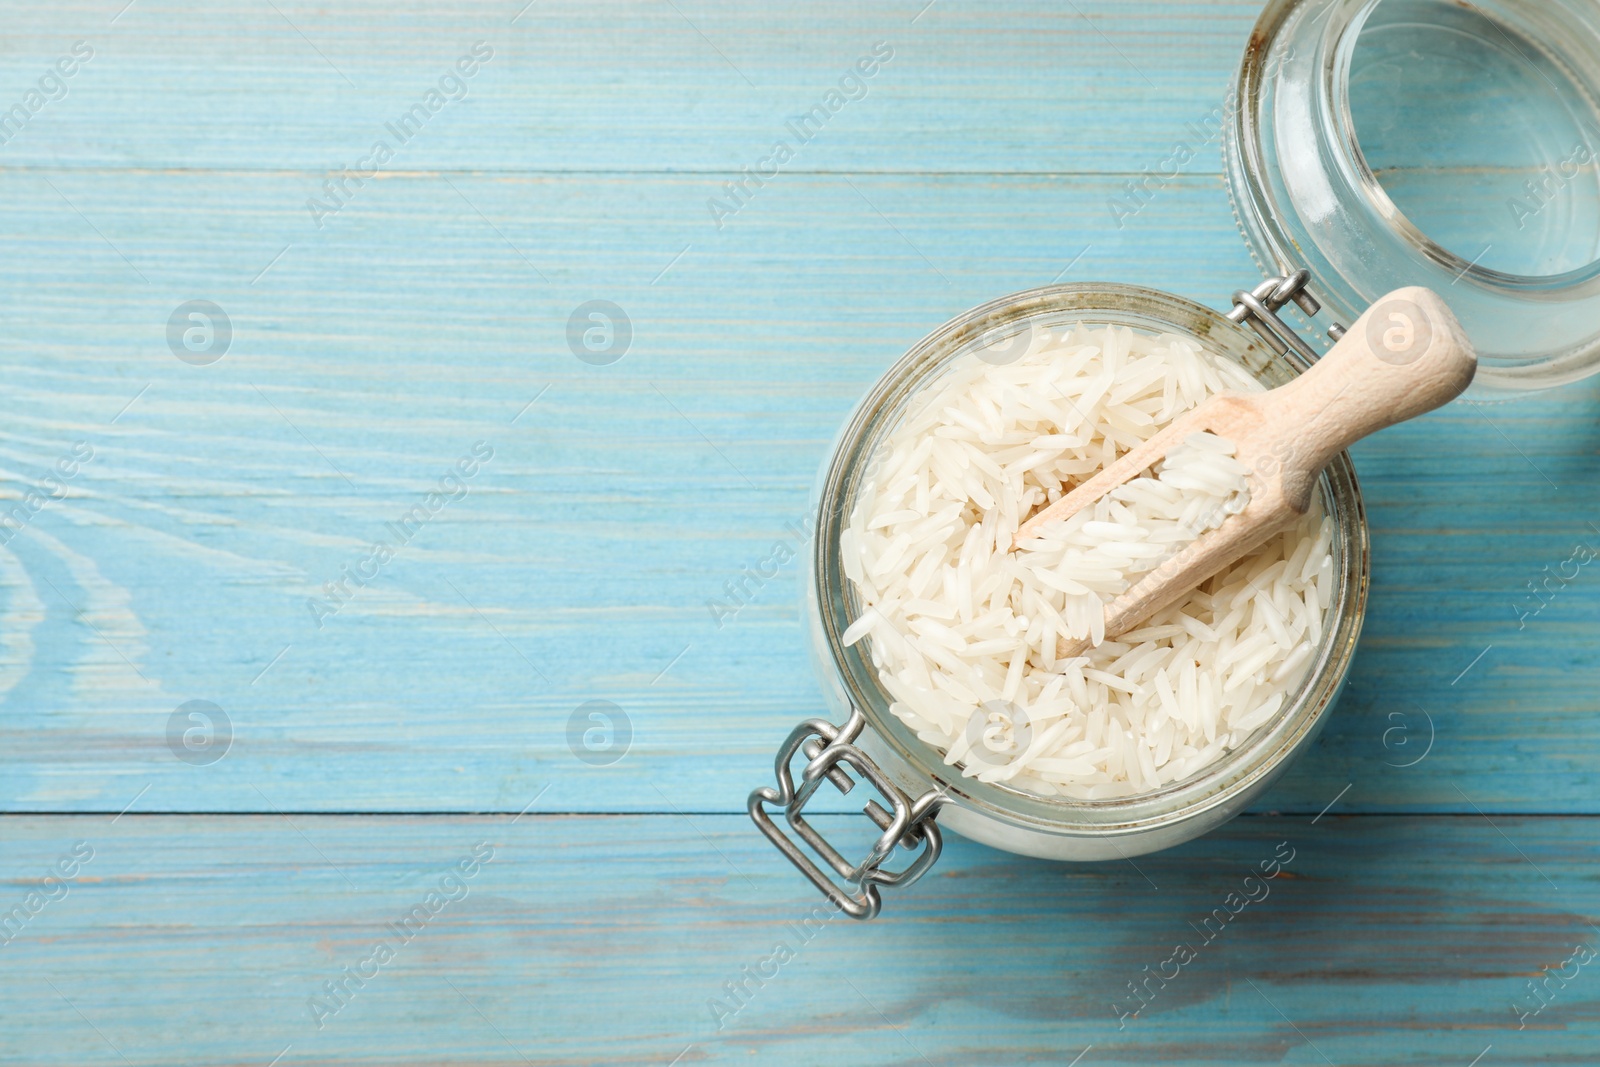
(1268, 750)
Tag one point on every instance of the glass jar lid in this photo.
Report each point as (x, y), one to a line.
(1453, 144)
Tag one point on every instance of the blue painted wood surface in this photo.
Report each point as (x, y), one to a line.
(428, 316)
(594, 939)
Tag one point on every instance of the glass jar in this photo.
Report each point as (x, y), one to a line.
(1371, 145)
(910, 775)
(1441, 143)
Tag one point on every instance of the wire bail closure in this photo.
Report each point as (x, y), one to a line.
(828, 749)
(1258, 309)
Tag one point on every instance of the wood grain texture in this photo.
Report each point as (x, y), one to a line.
(603, 940)
(372, 352)
(581, 561)
(631, 85)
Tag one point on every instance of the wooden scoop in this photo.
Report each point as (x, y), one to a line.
(1406, 356)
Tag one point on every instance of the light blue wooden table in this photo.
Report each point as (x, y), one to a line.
(390, 730)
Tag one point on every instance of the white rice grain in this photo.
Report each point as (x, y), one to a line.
(964, 632)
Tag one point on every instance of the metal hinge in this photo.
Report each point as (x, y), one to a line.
(828, 749)
(1259, 309)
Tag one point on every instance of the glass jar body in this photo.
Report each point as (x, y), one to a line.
(994, 814)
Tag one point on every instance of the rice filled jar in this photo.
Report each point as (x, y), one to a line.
(920, 787)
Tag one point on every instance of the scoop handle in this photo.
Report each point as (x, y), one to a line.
(1406, 356)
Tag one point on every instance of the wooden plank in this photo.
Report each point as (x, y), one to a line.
(704, 85)
(603, 940)
(366, 362)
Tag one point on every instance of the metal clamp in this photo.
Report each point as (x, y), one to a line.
(1259, 309)
(827, 748)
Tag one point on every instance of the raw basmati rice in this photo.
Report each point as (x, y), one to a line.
(964, 633)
